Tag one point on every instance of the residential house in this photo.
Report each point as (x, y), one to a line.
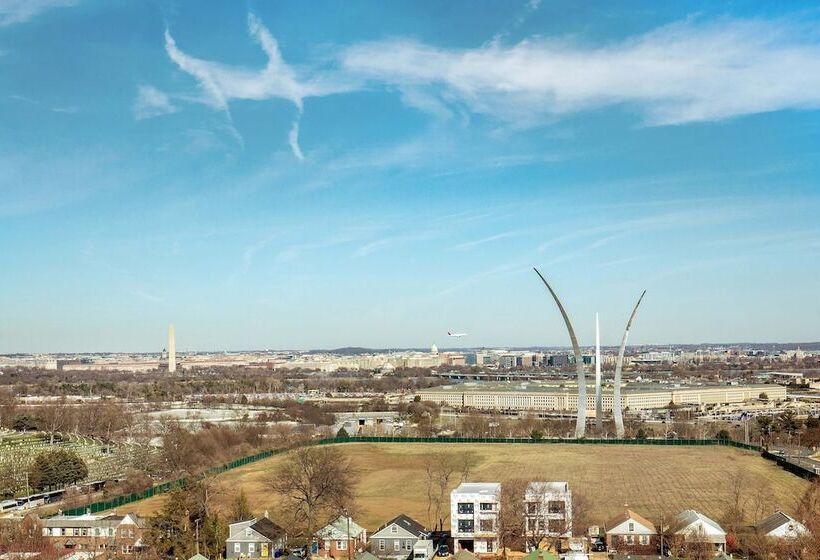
(780, 525)
(630, 533)
(693, 526)
(254, 538)
(121, 534)
(396, 538)
(340, 538)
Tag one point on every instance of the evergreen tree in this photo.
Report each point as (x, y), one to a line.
(56, 469)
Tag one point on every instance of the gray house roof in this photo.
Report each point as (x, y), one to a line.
(774, 521)
(262, 529)
(404, 522)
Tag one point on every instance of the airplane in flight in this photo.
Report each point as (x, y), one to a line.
(456, 334)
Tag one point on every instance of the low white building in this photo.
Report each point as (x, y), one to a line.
(694, 526)
(780, 525)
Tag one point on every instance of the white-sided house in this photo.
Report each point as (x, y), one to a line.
(473, 513)
(254, 538)
(693, 525)
(548, 509)
(781, 525)
(397, 537)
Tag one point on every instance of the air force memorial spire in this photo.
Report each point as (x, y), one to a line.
(599, 403)
(616, 396)
(581, 421)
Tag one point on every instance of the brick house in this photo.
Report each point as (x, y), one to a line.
(630, 533)
(340, 538)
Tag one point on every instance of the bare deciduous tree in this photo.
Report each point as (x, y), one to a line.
(441, 471)
(316, 484)
(510, 521)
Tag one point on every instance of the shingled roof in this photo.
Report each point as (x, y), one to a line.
(626, 516)
(268, 528)
(407, 523)
(774, 521)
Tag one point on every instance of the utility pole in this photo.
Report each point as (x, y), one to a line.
(197, 536)
(662, 531)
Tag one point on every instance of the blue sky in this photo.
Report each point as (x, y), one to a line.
(275, 174)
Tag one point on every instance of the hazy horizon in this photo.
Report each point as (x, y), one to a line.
(316, 175)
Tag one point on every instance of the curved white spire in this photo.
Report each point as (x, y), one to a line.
(581, 420)
(616, 396)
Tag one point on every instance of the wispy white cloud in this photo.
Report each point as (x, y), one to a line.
(19, 11)
(221, 83)
(489, 239)
(293, 140)
(151, 102)
(679, 73)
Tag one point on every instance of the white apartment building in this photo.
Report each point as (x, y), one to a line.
(474, 510)
(473, 513)
(548, 510)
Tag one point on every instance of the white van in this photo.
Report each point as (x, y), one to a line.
(423, 550)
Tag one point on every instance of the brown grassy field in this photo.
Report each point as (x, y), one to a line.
(650, 479)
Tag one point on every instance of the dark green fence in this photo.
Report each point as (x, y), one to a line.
(167, 486)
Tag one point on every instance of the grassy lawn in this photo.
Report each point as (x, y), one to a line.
(650, 479)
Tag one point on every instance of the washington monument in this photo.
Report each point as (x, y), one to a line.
(581, 421)
(172, 349)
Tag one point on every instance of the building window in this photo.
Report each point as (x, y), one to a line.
(251, 548)
(631, 527)
(341, 545)
(465, 526)
(630, 539)
(556, 506)
(556, 525)
(485, 525)
(466, 508)
(381, 544)
(486, 506)
(644, 539)
(532, 508)
(394, 529)
(408, 545)
(489, 546)
(237, 547)
(396, 545)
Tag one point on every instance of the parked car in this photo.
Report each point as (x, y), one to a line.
(443, 550)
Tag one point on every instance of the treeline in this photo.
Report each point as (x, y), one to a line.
(202, 382)
(103, 419)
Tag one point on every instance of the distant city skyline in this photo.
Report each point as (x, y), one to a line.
(321, 175)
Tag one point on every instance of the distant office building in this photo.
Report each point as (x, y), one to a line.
(558, 360)
(564, 397)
